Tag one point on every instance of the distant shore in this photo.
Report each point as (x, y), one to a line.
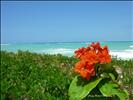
(126, 55)
(123, 50)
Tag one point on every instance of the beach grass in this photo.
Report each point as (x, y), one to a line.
(32, 76)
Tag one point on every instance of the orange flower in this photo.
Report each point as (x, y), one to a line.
(95, 45)
(91, 70)
(80, 52)
(85, 74)
(90, 56)
(84, 69)
(79, 65)
(104, 55)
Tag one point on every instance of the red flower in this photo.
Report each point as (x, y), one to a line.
(85, 69)
(90, 56)
(80, 52)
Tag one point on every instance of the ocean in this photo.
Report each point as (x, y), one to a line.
(123, 50)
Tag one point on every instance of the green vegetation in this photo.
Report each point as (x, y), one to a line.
(32, 76)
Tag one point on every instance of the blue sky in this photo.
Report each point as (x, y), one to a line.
(66, 21)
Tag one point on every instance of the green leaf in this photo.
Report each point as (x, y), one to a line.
(78, 92)
(110, 89)
(112, 76)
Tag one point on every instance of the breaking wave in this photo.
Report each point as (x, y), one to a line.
(123, 54)
(63, 51)
(131, 46)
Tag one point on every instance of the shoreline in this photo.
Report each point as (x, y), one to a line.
(114, 54)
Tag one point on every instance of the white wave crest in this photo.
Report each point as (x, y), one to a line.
(125, 54)
(129, 50)
(131, 46)
(58, 51)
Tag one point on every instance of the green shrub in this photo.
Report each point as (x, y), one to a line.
(33, 76)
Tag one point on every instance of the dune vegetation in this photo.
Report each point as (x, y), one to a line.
(32, 76)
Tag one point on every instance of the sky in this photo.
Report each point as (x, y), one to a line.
(66, 21)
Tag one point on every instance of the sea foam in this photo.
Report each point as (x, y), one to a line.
(131, 46)
(123, 54)
(64, 51)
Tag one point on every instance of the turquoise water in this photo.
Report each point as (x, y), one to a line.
(121, 49)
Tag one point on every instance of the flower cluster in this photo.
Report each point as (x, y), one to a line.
(90, 56)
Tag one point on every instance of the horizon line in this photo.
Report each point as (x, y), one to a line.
(60, 42)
